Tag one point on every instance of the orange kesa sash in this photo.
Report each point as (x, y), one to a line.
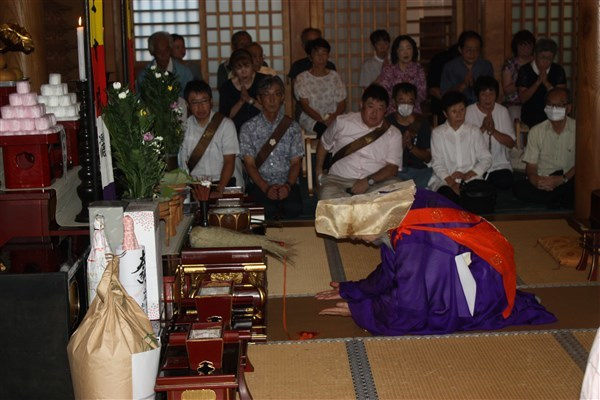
(481, 237)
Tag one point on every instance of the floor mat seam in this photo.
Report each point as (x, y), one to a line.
(360, 370)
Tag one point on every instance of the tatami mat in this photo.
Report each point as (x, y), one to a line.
(300, 370)
(358, 258)
(534, 264)
(309, 273)
(586, 339)
(530, 366)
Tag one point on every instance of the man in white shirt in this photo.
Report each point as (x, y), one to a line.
(459, 152)
(368, 168)
(371, 68)
(218, 162)
(496, 126)
(550, 156)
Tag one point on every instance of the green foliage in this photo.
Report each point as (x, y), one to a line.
(160, 91)
(137, 152)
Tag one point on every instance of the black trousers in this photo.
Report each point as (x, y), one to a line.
(502, 178)
(561, 196)
(291, 207)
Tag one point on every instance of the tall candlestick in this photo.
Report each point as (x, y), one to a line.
(80, 51)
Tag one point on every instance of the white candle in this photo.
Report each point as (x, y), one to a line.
(80, 51)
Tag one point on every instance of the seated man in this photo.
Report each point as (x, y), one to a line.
(416, 135)
(210, 144)
(272, 150)
(258, 59)
(550, 156)
(459, 152)
(367, 150)
(497, 128)
(159, 45)
(442, 270)
(304, 64)
(461, 73)
(371, 68)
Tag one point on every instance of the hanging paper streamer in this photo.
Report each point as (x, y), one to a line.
(97, 52)
(96, 261)
(132, 264)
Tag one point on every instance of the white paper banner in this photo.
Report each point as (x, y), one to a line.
(132, 274)
(106, 167)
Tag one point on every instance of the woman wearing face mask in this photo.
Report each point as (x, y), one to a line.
(404, 68)
(536, 79)
(416, 135)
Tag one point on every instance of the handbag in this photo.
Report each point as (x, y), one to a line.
(478, 196)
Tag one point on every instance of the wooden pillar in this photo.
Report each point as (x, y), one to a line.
(587, 173)
(492, 32)
(30, 15)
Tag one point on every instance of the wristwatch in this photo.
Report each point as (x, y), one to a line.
(370, 181)
(251, 101)
(565, 179)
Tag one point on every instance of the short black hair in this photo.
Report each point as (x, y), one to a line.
(376, 92)
(267, 82)
(176, 36)
(484, 83)
(238, 56)
(451, 98)
(396, 44)
(523, 36)
(404, 87)
(545, 44)
(379, 35)
(560, 89)
(318, 43)
(466, 35)
(235, 38)
(196, 86)
(305, 33)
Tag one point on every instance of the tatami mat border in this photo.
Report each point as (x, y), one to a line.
(360, 369)
(573, 347)
(426, 337)
(556, 285)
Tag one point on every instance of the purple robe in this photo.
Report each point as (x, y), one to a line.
(416, 288)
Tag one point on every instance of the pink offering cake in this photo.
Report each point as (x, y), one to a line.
(24, 115)
(29, 137)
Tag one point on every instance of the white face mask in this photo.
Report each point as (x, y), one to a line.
(405, 109)
(555, 113)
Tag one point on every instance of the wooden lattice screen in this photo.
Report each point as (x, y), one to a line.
(554, 19)
(347, 25)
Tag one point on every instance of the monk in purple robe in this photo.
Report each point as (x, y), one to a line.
(442, 270)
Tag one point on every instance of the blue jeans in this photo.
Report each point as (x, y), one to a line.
(419, 176)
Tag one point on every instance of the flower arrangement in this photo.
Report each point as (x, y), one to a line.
(159, 91)
(137, 150)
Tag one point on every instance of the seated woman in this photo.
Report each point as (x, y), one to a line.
(416, 135)
(497, 129)
(522, 48)
(459, 152)
(319, 90)
(442, 270)
(237, 96)
(536, 79)
(404, 68)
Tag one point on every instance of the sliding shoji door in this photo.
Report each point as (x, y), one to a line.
(554, 19)
(348, 23)
(208, 25)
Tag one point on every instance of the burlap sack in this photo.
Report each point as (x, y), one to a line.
(100, 351)
(370, 214)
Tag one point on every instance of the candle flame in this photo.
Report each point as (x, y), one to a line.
(79, 21)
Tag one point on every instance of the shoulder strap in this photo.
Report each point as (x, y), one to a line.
(361, 142)
(204, 141)
(270, 144)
